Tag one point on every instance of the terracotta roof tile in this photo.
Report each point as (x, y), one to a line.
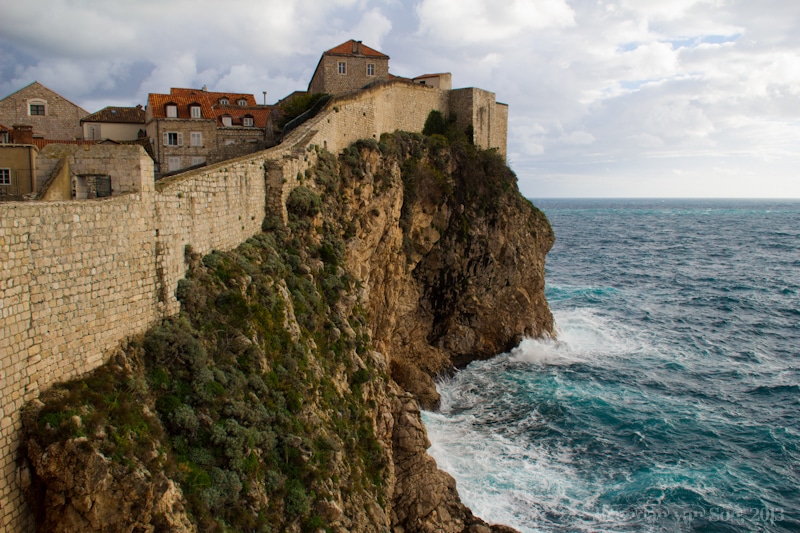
(124, 115)
(348, 47)
(430, 76)
(157, 104)
(215, 96)
(260, 114)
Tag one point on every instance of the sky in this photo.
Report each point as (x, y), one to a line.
(607, 98)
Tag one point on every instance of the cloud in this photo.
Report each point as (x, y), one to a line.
(621, 93)
(666, 9)
(475, 21)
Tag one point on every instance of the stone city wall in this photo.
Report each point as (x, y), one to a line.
(76, 278)
(79, 277)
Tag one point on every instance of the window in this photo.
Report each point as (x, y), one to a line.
(3, 136)
(195, 111)
(172, 138)
(36, 107)
(94, 132)
(174, 163)
(226, 121)
(242, 101)
(197, 160)
(370, 69)
(342, 67)
(196, 138)
(247, 122)
(102, 186)
(5, 176)
(223, 101)
(172, 111)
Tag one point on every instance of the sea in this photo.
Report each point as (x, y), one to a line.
(669, 399)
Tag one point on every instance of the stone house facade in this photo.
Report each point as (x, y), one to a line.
(114, 123)
(51, 115)
(348, 67)
(182, 130)
(190, 127)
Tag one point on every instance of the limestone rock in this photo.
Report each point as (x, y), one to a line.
(87, 492)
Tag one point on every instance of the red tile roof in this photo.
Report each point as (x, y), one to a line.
(215, 96)
(157, 103)
(122, 115)
(260, 114)
(210, 108)
(346, 49)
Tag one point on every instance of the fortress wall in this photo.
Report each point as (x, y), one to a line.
(489, 119)
(79, 277)
(75, 280)
(214, 208)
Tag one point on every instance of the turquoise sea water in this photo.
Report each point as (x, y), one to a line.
(670, 400)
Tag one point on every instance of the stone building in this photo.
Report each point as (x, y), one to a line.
(51, 115)
(190, 127)
(81, 172)
(443, 81)
(348, 67)
(17, 162)
(17, 170)
(114, 123)
(352, 66)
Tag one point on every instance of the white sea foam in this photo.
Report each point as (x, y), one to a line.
(512, 480)
(582, 335)
(496, 475)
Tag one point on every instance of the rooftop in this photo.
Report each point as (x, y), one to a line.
(355, 48)
(125, 115)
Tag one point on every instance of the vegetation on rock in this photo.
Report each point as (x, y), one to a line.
(265, 399)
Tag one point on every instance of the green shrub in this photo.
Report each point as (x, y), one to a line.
(303, 202)
(296, 499)
(434, 124)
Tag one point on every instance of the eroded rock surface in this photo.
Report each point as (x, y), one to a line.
(401, 261)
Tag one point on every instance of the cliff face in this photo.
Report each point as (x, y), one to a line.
(452, 265)
(286, 395)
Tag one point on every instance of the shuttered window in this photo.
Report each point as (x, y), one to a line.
(173, 138)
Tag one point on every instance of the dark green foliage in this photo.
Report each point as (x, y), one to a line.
(109, 402)
(435, 124)
(296, 106)
(303, 202)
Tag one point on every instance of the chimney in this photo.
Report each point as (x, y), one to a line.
(204, 88)
(22, 134)
(357, 47)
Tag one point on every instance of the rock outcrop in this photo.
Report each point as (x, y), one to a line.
(452, 266)
(286, 396)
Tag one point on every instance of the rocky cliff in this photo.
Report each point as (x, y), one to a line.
(286, 394)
